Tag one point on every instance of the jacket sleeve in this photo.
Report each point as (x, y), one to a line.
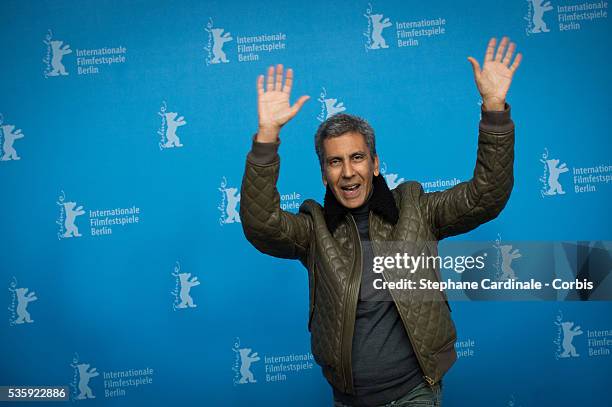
(269, 228)
(479, 200)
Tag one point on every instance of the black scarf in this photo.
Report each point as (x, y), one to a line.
(381, 202)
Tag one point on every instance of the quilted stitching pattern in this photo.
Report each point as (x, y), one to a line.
(424, 217)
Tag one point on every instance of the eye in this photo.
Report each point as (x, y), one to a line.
(358, 157)
(334, 162)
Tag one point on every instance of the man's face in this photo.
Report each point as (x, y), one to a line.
(348, 168)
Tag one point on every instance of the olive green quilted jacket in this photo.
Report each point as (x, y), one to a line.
(330, 248)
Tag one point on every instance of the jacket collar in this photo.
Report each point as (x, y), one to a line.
(381, 202)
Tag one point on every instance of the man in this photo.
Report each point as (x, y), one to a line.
(375, 347)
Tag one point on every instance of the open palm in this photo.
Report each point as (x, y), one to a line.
(273, 105)
(493, 80)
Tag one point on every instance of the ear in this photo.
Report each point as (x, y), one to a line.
(376, 166)
(323, 178)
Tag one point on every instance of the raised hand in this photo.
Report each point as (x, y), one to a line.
(493, 81)
(273, 104)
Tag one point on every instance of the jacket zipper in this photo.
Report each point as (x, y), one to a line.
(428, 379)
(351, 306)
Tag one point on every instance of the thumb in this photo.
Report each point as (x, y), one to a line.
(298, 105)
(475, 66)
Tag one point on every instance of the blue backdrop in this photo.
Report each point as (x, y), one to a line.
(124, 131)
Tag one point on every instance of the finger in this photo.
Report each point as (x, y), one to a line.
(298, 105)
(279, 77)
(508, 56)
(517, 62)
(288, 81)
(501, 49)
(490, 49)
(260, 81)
(270, 81)
(475, 66)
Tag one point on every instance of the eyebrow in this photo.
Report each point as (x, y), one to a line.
(332, 157)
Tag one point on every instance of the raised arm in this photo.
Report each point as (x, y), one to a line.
(479, 200)
(270, 229)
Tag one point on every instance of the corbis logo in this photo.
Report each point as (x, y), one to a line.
(329, 106)
(182, 288)
(167, 130)
(8, 135)
(20, 298)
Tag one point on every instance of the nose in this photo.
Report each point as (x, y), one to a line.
(347, 169)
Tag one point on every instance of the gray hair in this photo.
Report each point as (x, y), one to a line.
(340, 124)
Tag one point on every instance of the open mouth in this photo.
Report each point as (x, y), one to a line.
(350, 190)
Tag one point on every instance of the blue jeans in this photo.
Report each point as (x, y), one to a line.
(422, 395)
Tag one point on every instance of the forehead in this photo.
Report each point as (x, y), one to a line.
(347, 143)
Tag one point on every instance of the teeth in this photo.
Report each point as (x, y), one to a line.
(351, 187)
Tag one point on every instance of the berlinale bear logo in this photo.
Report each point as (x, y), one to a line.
(550, 178)
(56, 50)
(216, 40)
(376, 24)
(8, 135)
(230, 198)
